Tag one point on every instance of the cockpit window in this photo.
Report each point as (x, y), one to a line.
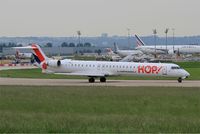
(175, 67)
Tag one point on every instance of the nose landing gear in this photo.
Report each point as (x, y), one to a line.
(180, 80)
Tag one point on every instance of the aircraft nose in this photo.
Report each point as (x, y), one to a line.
(187, 74)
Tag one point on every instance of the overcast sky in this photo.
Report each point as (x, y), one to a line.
(93, 17)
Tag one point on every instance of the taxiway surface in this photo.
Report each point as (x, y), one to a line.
(16, 67)
(84, 82)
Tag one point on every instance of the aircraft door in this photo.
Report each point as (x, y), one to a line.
(164, 70)
(98, 66)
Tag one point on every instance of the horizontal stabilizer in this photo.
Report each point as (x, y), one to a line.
(27, 47)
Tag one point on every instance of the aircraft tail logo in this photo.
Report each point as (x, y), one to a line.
(139, 42)
(39, 56)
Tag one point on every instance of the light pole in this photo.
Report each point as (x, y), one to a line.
(128, 31)
(155, 32)
(166, 31)
(79, 36)
(173, 29)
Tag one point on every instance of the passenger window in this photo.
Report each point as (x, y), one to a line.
(175, 67)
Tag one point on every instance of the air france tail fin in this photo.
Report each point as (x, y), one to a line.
(139, 42)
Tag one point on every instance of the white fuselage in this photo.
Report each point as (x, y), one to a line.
(183, 49)
(119, 68)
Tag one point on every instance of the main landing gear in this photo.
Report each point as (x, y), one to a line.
(92, 79)
(102, 79)
(180, 79)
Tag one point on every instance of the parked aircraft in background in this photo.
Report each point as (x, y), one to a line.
(148, 49)
(113, 56)
(124, 53)
(171, 49)
(20, 55)
(138, 58)
(103, 69)
(133, 55)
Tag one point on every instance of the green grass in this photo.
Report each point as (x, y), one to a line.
(189, 64)
(99, 109)
(194, 73)
(82, 57)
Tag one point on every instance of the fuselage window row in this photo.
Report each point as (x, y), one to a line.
(106, 66)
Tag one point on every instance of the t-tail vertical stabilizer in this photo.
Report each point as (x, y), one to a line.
(39, 56)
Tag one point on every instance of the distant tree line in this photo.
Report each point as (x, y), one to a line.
(65, 44)
(49, 44)
(10, 44)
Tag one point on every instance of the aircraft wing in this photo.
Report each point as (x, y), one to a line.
(159, 49)
(86, 73)
(164, 50)
(128, 58)
(145, 50)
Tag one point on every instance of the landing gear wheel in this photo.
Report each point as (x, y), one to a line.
(179, 80)
(102, 79)
(91, 80)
